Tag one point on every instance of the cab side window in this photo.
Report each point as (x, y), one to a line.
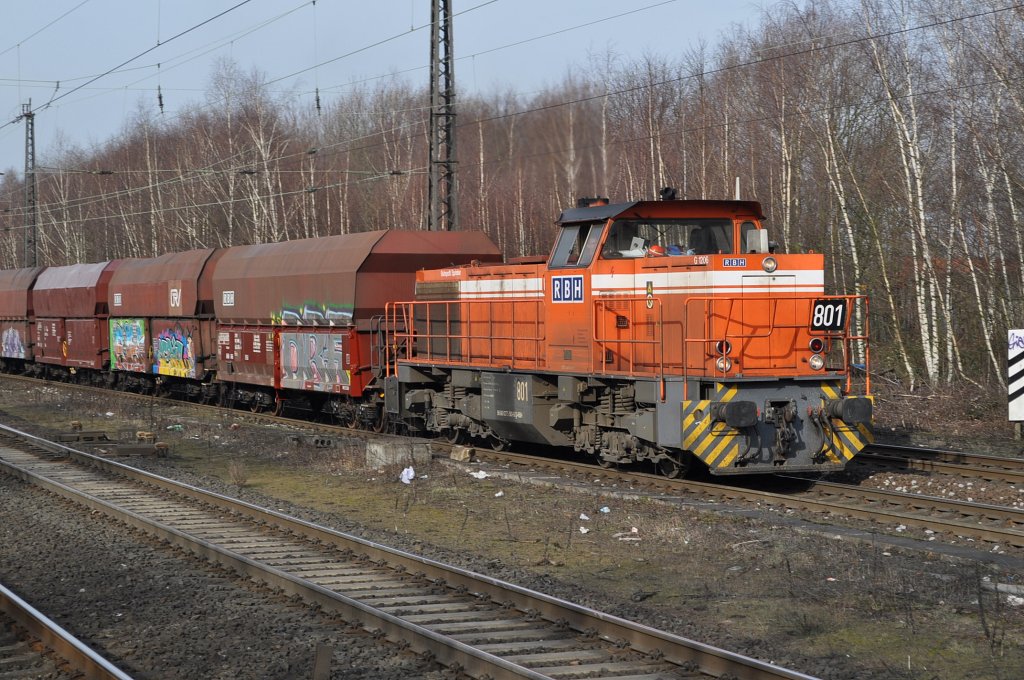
(747, 230)
(576, 245)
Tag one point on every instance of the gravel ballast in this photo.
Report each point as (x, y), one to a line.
(160, 613)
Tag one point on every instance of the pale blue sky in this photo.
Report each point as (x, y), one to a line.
(73, 41)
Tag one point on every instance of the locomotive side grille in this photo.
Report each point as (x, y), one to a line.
(437, 290)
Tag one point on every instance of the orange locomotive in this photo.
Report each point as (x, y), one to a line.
(666, 331)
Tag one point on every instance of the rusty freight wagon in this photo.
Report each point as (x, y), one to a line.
(161, 323)
(70, 332)
(295, 318)
(16, 316)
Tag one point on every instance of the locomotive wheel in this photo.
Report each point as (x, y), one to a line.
(454, 435)
(672, 467)
(381, 423)
(352, 421)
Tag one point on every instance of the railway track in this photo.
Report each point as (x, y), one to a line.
(992, 524)
(29, 640)
(958, 463)
(260, 417)
(478, 625)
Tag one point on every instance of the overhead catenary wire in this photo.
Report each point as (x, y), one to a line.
(810, 50)
(383, 174)
(106, 197)
(38, 31)
(131, 59)
(372, 45)
(222, 42)
(159, 44)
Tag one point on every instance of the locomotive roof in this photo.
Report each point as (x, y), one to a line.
(594, 213)
(640, 209)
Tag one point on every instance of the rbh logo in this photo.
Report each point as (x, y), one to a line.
(567, 289)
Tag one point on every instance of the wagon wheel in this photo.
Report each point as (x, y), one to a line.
(277, 408)
(256, 406)
(316, 407)
(499, 444)
(351, 420)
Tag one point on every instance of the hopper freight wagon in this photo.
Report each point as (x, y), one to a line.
(295, 320)
(70, 333)
(16, 318)
(162, 330)
(258, 326)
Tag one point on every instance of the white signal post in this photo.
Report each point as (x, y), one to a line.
(1015, 379)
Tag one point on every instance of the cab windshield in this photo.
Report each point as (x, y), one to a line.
(640, 238)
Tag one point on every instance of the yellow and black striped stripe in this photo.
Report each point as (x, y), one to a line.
(717, 444)
(713, 442)
(850, 439)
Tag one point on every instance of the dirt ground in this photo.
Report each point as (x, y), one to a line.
(810, 598)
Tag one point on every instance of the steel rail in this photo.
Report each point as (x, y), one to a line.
(957, 463)
(65, 645)
(991, 523)
(238, 414)
(965, 511)
(659, 647)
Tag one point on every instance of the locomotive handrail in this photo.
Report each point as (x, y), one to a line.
(632, 342)
(845, 336)
(389, 347)
(409, 340)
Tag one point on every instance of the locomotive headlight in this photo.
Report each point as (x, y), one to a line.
(816, 362)
(816, 345)
(769, 264)
(724, 364)
(723, 347)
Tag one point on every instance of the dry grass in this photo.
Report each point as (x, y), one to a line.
(238, 473)
(956, 418)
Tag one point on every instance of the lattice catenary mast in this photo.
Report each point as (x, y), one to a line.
(442, 187)
(31, 205)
